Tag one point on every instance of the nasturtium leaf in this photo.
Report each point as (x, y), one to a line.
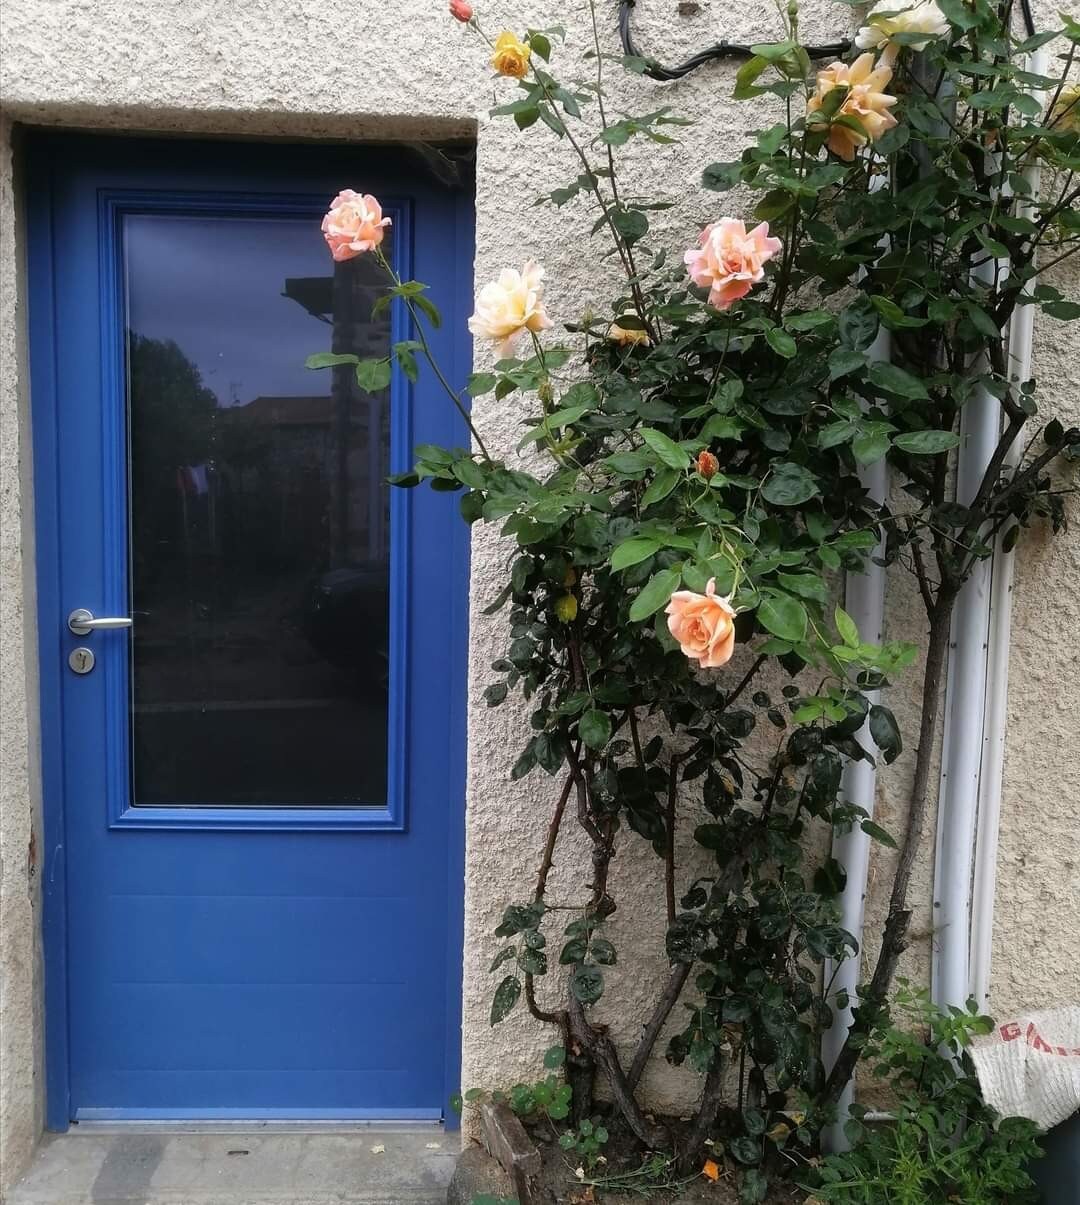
(784, 616)
(789, 484)
(506, 996)
(587, 983)
(746, 1150)
(554, 1057)
(656, 593)
(926, 443)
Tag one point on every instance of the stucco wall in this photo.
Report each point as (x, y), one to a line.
(369, 70)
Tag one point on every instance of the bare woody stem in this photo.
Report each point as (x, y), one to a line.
(425, 347)
(894, 938)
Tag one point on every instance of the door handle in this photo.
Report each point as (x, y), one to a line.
(81, 622)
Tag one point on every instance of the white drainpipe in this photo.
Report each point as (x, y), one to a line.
(864, 601)
(997, 669)
(965, 698)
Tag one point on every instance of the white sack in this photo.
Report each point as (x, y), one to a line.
(1030, 1066)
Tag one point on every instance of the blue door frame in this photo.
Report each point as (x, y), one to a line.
(78, 189)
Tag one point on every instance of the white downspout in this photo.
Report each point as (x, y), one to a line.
(864, 601)
(997, 671)
(965, 698)
(969, 797)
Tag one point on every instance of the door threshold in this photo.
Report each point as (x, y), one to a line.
(249, 1125)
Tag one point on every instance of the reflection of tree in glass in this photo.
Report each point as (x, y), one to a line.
(172, 422)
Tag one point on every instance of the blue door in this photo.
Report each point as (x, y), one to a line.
(252, 648)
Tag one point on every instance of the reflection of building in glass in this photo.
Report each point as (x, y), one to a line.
(345, 301)
(289, 449)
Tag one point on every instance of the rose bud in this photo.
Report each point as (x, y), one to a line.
(707, 465)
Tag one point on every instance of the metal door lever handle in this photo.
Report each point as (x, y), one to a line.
(81, 622)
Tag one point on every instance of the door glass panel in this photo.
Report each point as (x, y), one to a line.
(259, 517)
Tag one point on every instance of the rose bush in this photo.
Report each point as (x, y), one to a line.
(688, 481)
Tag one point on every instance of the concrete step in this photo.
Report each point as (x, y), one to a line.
(240, 1167)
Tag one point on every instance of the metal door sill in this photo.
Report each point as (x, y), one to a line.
(222, 1121)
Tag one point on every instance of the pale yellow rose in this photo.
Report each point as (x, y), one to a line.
(627, 336)
(703, 624)
(509, 305)
(1064, 117)
(511, 55)
(889, 17)
(866, 102)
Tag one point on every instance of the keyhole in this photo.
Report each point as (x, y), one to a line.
(81, 660)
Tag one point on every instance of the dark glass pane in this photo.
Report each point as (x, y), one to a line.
(259, 517)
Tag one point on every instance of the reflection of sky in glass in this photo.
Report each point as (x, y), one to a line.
(215, 287)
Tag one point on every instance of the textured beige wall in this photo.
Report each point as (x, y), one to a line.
(20, 979)
(400, 70)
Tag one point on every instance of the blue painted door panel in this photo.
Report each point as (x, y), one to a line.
(223, 960)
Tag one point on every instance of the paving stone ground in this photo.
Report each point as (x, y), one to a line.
(256, 1166)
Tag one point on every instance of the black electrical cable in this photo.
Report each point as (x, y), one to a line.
(726, 49)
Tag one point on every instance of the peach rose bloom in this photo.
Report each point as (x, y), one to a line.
(461, 11)
(511, 55)
(731, 260)
(867, 102)
(354, 224)
(509, 305)
(703, 624)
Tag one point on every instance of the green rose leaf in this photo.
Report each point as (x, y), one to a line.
(892, 379)
(373, 375)
(658, 590)
(594, 728)
(845, 625)
(633, 552)
(784, 616)
(789, 484)
(667, 449)
(660, 486)
(886, 733)
(843, 360)
(877, 833)
(781, 342)
(926, 443)
(328, 359)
